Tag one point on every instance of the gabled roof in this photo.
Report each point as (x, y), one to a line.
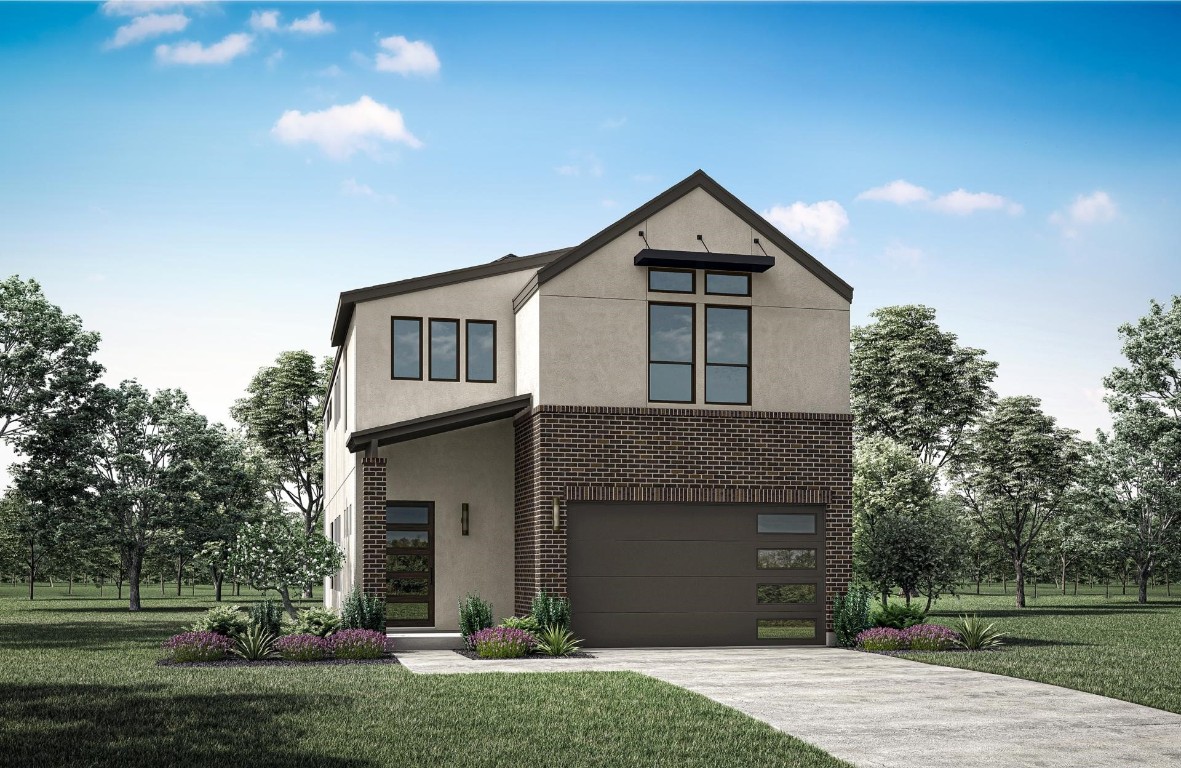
(740, 209)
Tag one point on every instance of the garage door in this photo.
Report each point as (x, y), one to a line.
(696, 574)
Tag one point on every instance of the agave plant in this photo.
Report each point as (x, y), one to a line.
(255, 644)
(975, 635)
(557, 641)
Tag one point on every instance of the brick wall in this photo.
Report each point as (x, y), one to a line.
(372, 501)
(584, 453)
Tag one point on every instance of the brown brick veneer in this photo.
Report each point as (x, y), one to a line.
(585, 453)
(373, 491)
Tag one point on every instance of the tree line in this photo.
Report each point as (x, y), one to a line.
(118, 482)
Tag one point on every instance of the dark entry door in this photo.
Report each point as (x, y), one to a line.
(410, 563)
(696, 574)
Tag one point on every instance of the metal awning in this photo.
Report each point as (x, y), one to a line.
(730, 262)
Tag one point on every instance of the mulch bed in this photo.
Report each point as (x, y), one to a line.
(475, 657)
(276, 662)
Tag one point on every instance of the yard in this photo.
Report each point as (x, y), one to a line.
(79, 686)
(1110, 646)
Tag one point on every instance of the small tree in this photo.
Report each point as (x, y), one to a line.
(275, 553)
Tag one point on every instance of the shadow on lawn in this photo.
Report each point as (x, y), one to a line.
(88, 636)
(127, 726)
(1107, 609)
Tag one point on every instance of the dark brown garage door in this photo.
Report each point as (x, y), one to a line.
(696, 574)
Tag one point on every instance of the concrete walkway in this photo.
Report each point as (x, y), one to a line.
(877, 711)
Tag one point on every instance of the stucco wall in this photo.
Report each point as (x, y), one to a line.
(473, 465)
(528, 322)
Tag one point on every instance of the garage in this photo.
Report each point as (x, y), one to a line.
(648, 575)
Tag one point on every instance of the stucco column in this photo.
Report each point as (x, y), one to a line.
(373, 491)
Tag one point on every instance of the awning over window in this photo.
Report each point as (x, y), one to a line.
(731, 262)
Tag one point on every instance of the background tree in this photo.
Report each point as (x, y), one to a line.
(1015, 474)
(276, 553)
(29, 533)
(914, 383)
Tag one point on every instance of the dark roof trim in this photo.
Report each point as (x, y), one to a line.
(400, 432)
(676, 192)
(349, 299)
(735, 262)
(525, 294)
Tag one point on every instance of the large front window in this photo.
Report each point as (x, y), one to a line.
(727, 355)
(670, 353)
(444, 364)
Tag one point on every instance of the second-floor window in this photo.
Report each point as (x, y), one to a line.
(481, 350)
(670, 352)
(406, 339)
(727, 355)
(444, 362)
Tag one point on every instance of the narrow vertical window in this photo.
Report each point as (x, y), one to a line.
(727, 355)
(444, 362)
(670, 353)
(481, 350)
(406, 343)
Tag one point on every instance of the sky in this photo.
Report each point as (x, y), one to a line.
(198, 181)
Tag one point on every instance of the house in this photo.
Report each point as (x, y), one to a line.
(655, 423)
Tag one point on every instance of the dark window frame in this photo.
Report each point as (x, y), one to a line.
(708, 292)
(749, 353)
(427, 551)
(393, 350)
(467, 362)
(815, 549)
(692, 280)
(692, 353)
(816, 523)
(431, 347)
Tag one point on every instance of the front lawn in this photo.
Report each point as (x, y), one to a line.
(79, 687)
(1113, 647)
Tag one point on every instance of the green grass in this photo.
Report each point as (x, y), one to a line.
(1113, 647)
(79, 687)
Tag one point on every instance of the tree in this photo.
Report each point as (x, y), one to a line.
(1015, 474)
(914, 383)
(276, 553)
(45, 359)
(29, 532)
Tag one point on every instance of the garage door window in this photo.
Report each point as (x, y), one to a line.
(787, 629)
(802, 524)
(786, 594)
(787, 558)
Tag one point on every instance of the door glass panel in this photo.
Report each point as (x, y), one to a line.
(399, 515)
(407, 539)
(407, 563)
(777, 594)
(787, 558)
(798, 523)
(408, 586)
(400, 612)
(787, 629)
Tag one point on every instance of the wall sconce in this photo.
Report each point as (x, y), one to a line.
(557, 514)
(463, 515)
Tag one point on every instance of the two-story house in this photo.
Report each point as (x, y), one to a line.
(654, 423)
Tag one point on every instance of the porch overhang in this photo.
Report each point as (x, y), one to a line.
(730, 262)
(371, 439)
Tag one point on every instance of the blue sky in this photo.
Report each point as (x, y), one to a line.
(200, 185)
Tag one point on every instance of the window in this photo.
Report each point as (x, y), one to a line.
(444, 350)
(727, 284)
(786, 629)
(406, 342)
(672, 280)
(334, 534)
(671, 340)
(727, 355)
(794, 523)
(777, 559)
(786, 594)
(481, 350)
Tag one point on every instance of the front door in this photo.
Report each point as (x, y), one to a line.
(410, 563)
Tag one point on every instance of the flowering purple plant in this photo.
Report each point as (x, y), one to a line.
(502, 642)
(930, 637)
(198, 646)
(882, 639)
(303, 647)
(357, 644)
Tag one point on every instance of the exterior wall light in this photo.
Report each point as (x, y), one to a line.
(557, 506)
(463, 517)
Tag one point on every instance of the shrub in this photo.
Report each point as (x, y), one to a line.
(303, 647)
(316, 621)
(882, 639)
(975, 635)
(362, 610)
(255, 644)
(198, 646)
(898, 616)
(269, 616)
(358, 644)
(930, 637)
(475, 614)
(527, 623)
(551, 611)
(228, 620)
(555, 641)
(502, 643)
(850, 615)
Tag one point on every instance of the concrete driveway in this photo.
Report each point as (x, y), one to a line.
(881, 711)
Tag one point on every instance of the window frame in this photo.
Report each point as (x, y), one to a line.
(393, 348)
(431, 347)
(749, 353)
(708, 292)
(692, 353)
(692, 280)
(467, 362)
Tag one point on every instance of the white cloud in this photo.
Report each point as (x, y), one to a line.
(1095, 208)
(584, 163)
(141, 7)
(899, 192)
(821, 223)
(407, 57)
(344, 129)
(962, 202)
(144, 27)
(274, 59)
(331, 71)
(899, 255)
(264, 21)
(230, 48)
(312, 24)
(612, 123)
(353, 188)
